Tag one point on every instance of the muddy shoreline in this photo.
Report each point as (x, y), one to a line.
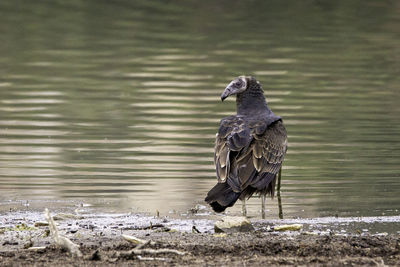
(101, 243)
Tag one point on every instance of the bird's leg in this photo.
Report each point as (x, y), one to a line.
(263, 206)
(244, 210)
(278, 194)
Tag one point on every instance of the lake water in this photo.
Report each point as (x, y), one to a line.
(115, 104)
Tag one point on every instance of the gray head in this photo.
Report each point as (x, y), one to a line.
(240, 85)
(249, 95)
(236, 86)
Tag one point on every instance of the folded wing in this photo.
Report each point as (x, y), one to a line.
(249, 154)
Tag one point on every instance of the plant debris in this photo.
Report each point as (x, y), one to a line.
(288, 227)
(61, 240)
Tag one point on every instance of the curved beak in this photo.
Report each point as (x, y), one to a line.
(229, 90)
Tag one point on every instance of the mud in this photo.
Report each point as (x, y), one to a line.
(327, 243)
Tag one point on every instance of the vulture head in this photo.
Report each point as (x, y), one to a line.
(239, 85)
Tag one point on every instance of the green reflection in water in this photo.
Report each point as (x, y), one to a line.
(120, 101)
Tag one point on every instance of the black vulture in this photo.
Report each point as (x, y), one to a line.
(249, 148)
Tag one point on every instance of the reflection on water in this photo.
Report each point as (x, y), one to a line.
(117, 104)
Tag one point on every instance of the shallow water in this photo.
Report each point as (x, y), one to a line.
(116, 105)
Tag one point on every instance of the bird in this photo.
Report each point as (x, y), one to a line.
(249, 148)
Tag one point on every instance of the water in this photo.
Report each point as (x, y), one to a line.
(116, 105)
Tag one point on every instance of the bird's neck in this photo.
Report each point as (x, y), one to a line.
(251, 102)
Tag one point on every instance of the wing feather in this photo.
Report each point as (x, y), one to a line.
(258, 149)
(249, 152)
(233, 135)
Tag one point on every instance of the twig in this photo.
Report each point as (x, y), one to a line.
(61, 240)
(139, 250)
(151, 259)
(139, 242)
(151, 226)
(195, 230)
(133, 239)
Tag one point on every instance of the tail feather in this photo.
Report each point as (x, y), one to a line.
(221, 196)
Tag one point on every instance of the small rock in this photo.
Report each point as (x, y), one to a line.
(37, 224)
(66, 216)
(46, 233)
(220, 235)
(233, 225)
(288, 227)
(88, 226)
(72, 231)
(28, 244)
(95, 256)
(309, 233)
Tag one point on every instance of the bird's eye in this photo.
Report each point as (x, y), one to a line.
(238, 83)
